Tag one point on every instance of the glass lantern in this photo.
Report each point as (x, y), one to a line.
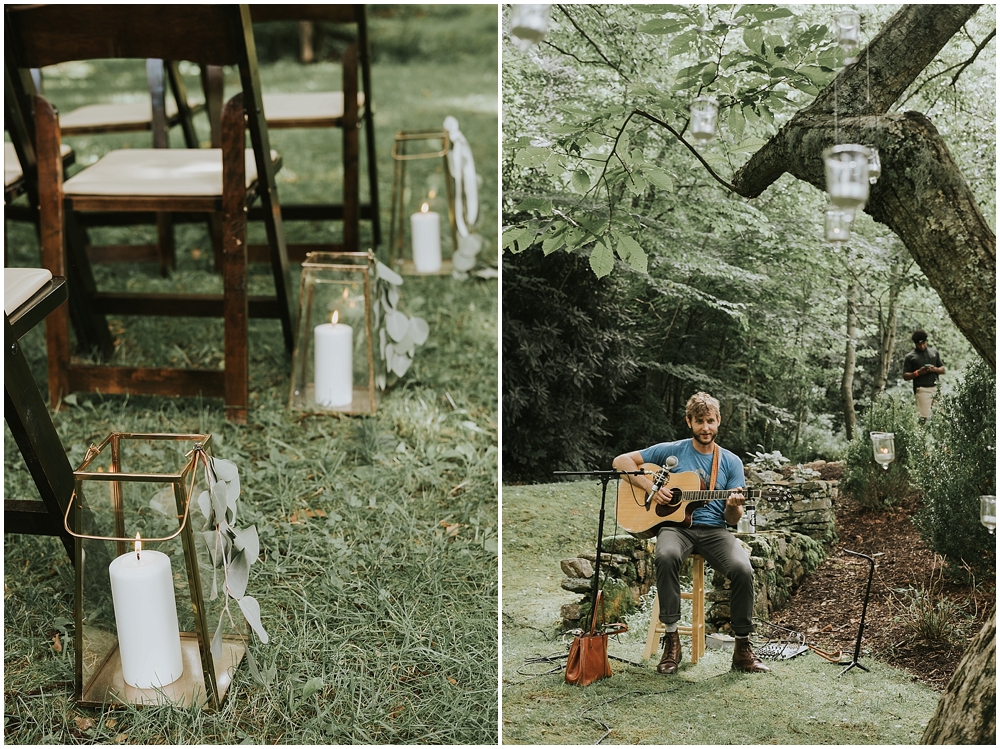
(847, 175)
(704, 114)
(848, 33)
(423, 200)
(838, 224)
(144, 629)
(333, 363)
(528, 25)
(988, 511)
(882, 446)
(874, 166)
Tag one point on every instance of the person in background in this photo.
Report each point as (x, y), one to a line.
(923, 366)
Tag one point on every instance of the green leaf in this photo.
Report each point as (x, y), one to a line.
(709, 73)
(636, 184)
(248, 542)
(387, 274)
(205, 504)
(419, 330)
(396, 324)
(663, 26)
(553, 243)
(581, 181)
(237, 575)
(659, 178)
(219, 501)
(555, 165)
(251, 610)
(312, 686)
(226, 470)
(217, 640)
(602, 260)
(736, 122)
(540, 205)
(532, 156)
(754, 39)
(631, 252)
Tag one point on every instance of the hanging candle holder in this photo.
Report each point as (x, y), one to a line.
(704, 114)
(838, 224)
(848, 33)
(333, 363)
(988, 511)
(528, 25)
(874, 166)
(847, 175)
(883, 447)
(138, 557)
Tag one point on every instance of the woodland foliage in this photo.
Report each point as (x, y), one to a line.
(742, 298)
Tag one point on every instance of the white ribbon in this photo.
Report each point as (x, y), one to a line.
(466, 183)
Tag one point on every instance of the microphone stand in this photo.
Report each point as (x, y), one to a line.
(605, 477)
(864, 610)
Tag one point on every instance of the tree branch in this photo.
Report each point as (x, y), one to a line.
(592, 43)
(975, 54)
(677, 135)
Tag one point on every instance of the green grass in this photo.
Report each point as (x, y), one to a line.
(382, 614)
(803, 701)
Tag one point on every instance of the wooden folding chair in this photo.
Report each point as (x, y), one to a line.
(223, 181)
(30, 295)
(346, 110)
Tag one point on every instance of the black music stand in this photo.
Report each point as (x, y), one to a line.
(605, 477)
(864, 610)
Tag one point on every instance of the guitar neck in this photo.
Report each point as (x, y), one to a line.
(702, 495)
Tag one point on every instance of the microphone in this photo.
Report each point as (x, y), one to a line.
(661, 478)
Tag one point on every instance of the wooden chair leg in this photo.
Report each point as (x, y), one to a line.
(235, 304)
(165, 240)
(352, 215)
(91, 326)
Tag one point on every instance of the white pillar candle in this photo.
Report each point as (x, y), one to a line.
(333, 348)
(425, 227)
(142, 588)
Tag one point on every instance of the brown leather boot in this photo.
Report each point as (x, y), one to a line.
(671, 658)
(744, 658)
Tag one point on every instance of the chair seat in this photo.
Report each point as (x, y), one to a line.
(157, 172)
(20, 284)
(12, 167)
(126, 115)
(320, 108)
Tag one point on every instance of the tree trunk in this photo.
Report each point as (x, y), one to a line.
(850, 361)
(887, 328)
(967, 711)
(921, 195)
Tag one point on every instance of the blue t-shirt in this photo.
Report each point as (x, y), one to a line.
(688, 459)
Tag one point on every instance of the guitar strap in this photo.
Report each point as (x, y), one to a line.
(715, 468)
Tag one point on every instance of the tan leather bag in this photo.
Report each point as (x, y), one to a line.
(588, 655)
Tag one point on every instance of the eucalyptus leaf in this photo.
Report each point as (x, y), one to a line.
(462, 262)
(387, 274)
(315, 684)
(205, 504)
(251, 610)
(400, 364)
(393, 296)
(217, 640)
(396, 324)
(213, 548)
(219, 500)
(380, 381)
(420, 329)
(237, 575)
(471, 244)
(225, 469)
(248, 542)
(382, 341)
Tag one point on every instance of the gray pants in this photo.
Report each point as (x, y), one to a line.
(723, 551)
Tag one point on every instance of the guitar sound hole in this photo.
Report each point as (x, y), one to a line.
(675, 502)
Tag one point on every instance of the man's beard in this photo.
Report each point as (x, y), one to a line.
(705, 440)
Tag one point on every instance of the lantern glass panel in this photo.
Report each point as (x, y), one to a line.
(704, 115)
(883, 448)
(874, 166)
(528, 25)
(848, 30)
(847, 175)
(838, 225)
(143, 483)
(988, 511)
(333, 366)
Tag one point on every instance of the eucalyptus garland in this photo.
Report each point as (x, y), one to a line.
(398, 334)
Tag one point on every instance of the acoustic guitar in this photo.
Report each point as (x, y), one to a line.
(644, 521)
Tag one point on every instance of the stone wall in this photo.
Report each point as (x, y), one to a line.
(794, 536)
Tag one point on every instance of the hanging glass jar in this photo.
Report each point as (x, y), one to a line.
(988, 511)
(874, 166)
(838, 224)
(848, 33)
(528, 25)
(704, 114)
(847, 175)
(883, 447)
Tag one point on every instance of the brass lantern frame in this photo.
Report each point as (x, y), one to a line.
(301, 392)
(397, 225)
(99, 681)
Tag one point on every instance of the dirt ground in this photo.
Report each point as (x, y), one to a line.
(827, 606)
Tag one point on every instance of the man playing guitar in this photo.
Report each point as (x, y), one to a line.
(706, 534)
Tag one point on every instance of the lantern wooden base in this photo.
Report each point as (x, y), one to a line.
(406, 267)
(108, 686)
(361, 404)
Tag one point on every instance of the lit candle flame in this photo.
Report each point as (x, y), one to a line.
(138, 545)
(424, 208)
(885, 449)
(334, 317)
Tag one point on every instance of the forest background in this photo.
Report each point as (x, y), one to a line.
(709, 290)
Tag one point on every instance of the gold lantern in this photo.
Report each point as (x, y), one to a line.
(144, 630)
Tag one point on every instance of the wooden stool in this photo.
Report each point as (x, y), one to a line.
(697, 628)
